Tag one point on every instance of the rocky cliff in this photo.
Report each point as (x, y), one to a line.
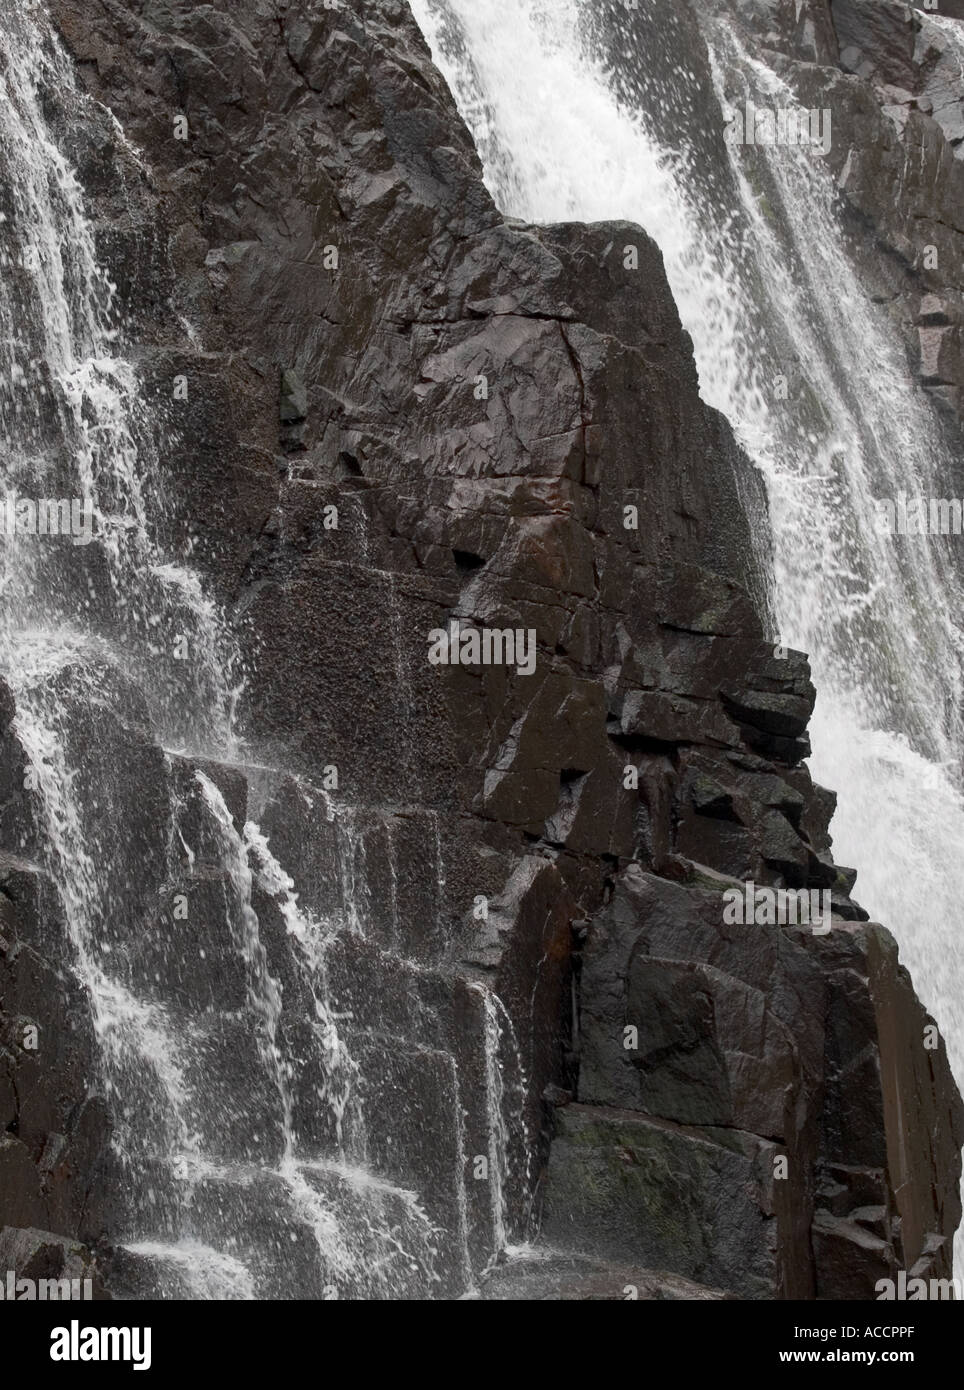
(404, 410)
(892, 72)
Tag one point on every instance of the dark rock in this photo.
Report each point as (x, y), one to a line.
(40, 1255)
(697, 1202)
(648, 762)
(552, 1276)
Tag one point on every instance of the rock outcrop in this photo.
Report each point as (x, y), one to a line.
(405, 411)
(892, 74)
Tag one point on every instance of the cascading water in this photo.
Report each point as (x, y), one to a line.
(575, 119)
(255, 1039)
(254, 1145)
(74, 429)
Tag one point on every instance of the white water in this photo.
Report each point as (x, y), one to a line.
(510, 1145)
(311, 939)
(210, 1274)
(498, 1131)
(767, 275)
(73, 422)
(73, 425)
(212, 1182)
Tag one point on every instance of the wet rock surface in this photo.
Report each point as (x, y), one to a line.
(507, 424)
(891, 75)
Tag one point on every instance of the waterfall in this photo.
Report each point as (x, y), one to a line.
(305, 1097)
(75, 429)
(252, 1038)
(506, 1091)
(581, 116)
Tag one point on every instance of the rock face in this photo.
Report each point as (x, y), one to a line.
(756, 1051)
(908, 180)
(404, 411)
(892, 74)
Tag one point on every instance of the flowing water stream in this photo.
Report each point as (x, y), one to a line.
(255, 1152)
(244, 1057)
(583, 117)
